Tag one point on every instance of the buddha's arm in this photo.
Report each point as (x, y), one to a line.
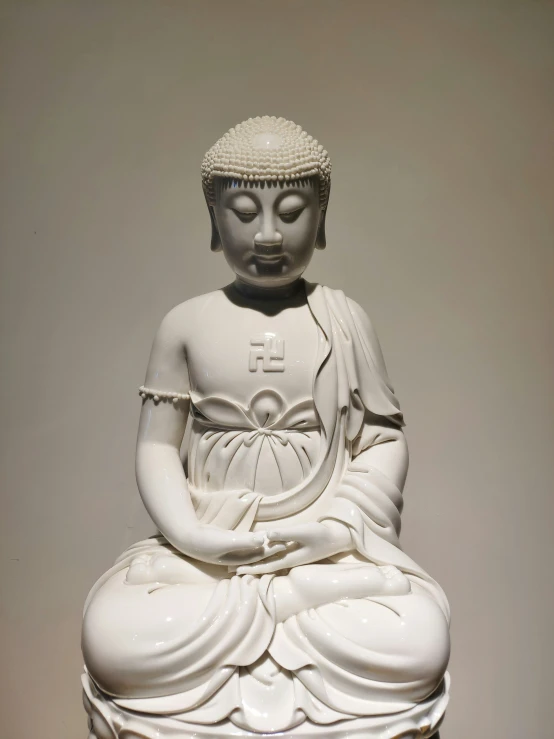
(384, 449)
(382, 441)
(160, 476)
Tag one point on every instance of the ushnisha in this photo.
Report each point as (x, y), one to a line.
(266, 149)
(275, 599)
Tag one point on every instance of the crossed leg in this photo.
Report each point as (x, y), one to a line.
(310, 586)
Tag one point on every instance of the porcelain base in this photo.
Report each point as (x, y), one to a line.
(109, 721)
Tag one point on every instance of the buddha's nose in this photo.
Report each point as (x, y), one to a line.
(268, 240)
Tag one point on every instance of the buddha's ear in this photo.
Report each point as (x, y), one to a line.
(321, 238)
(215, 243)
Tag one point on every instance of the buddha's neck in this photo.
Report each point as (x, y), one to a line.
(281, 292)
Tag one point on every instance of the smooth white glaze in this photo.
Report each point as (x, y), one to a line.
(276, 600)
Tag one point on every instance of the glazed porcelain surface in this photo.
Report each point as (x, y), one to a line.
(275, 599)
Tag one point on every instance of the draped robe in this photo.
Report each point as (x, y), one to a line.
(376, 663)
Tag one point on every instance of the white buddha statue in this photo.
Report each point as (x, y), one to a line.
(271, 458)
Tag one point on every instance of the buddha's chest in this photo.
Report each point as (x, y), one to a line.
(246, 351)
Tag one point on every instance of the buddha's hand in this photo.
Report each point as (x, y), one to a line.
(305, 543)
(232, 548)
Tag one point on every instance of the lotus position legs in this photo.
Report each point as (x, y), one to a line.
(299, 590)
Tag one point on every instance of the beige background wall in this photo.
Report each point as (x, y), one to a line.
(439, 119)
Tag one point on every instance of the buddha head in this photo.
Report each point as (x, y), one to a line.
(267, 186)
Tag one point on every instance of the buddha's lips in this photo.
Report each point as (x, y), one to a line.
(271, 259)
(259, 256)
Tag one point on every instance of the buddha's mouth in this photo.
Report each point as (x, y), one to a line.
(269, 258)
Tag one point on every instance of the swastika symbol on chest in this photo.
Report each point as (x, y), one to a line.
(267, 350)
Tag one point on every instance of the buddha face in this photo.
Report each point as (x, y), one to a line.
(267, 230)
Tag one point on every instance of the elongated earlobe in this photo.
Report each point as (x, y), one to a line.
(321, 238)
(215, 243)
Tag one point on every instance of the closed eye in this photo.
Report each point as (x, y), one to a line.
(291, 216)
(245, 216)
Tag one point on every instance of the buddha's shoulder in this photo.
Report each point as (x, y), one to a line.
(183, 317)
(341, 298)
(357, 310)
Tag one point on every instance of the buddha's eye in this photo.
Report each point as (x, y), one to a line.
(245, 216)
(291, 215)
